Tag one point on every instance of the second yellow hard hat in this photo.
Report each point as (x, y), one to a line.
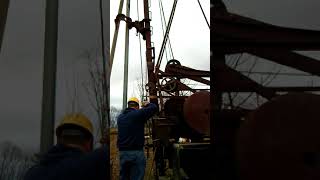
(76, 119)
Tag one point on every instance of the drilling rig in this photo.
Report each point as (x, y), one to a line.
(180, 132)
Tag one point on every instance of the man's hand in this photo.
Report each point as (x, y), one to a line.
(145, 103)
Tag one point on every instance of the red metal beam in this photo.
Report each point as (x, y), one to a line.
(183, 87)
(186, 72)
(149, 57)
(291, 59)
(294, 89)
(183, 70)
(232, 33)
(162, 75)
(230, 80)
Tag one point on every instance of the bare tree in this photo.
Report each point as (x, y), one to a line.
(253, 100)
(14, 162)
(114, 113)
(95, 90)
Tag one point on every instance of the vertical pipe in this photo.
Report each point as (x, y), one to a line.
(217, 126)
(211, 113)
(49, 75)
(220, 170)
(150, 60)
(126, 59)
(115, 37)
(4, 5)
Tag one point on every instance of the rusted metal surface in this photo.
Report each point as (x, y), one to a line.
(169, 80)
(236, 34)
(175, 97)
(164, 74)
(230, 80)
(183, 87)
(169, 84)
(216, 130)
(139, 25)
(149, 56)
(196, 112)
(291, 59)
(171, 124)
(185, 72)
(172, 85)
(174, 112)
(173, 106)
(280, 140)
(295, 89)
(4, 5)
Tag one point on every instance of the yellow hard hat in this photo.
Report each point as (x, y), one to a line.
(134, 99)
(76, 119)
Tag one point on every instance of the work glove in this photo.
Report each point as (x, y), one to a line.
(145, 103)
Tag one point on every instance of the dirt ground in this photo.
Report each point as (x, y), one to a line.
(115, 158)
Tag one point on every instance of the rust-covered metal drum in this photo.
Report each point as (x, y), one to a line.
(173, 109)
(196, 112)
(281, 140)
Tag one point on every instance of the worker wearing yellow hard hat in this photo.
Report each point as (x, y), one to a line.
(73, 156)
(134, 100)
(69, 123)
(77, 119)
(131, 138)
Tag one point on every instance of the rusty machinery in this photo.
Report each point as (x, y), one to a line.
(177, 117)
(180, 110)
(278, 139)
(182, 116)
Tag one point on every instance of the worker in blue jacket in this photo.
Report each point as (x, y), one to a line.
(73, 156)
(131, 139)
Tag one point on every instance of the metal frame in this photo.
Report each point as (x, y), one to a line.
(232, 34)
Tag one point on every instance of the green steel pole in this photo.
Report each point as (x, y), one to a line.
(49, 76)
(115, 37)
(126, 61)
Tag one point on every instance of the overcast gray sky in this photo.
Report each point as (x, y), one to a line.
(189, 37)
(21, 64)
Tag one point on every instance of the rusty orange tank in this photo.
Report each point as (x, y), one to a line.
(280, 139)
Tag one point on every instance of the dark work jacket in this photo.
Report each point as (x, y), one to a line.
(131, 127)
(66, 163)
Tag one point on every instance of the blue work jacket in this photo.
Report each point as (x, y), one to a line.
(67, 163)
(131, 127)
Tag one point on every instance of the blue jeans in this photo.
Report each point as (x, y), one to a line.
(132, 165)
